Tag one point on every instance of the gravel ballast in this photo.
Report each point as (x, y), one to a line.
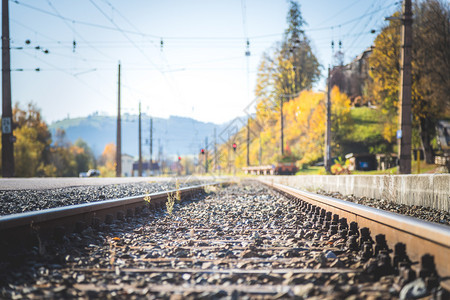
(18, 201)
(239, 242)
(419, 212)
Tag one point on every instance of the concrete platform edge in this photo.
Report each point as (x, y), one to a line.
(429, 190)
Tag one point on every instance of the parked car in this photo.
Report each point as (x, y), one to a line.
(90, 173)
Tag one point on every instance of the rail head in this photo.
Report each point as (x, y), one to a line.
(51, 214)
(420, 237)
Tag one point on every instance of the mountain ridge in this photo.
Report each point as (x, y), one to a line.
(175, 135)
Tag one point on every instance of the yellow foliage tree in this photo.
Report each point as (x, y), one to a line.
(108, 161)
(341, 121)
(430, 65)
(32, 147)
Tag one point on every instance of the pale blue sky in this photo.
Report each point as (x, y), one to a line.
(201, 71)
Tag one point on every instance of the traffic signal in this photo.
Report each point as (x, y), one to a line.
(202, 151)
(234, 147)
(179, 158)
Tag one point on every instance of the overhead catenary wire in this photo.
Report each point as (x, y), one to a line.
(158, 37)
(72, 27)
(123, 32)
(173, 47)
(70, 74)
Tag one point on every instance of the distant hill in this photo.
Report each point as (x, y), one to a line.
(175, 135)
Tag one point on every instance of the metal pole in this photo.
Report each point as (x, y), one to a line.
(327, 160)
(228, 155)
(140, 142)
(248, 142)
(260, 149)
(206, 155)
(119, 132)
(404, 135)
(282, 126)
(7, 121)
(151, 144)
(215, 150)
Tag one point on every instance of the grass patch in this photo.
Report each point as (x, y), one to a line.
(424, 169)
(368, 125)
(312, 171)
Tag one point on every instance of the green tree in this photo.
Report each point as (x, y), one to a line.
(84, 157)
(291, 66)
(62, 158)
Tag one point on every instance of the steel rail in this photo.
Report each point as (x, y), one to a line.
(420, 237)
(76, 217)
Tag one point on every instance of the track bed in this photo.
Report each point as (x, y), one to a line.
(241, 241)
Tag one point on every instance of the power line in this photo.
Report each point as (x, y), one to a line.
(122, 31)
(72, 20)
(341, 11)
(73, 28)
(68, 73)
(158, 37)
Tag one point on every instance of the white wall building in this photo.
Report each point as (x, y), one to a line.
(127, 165)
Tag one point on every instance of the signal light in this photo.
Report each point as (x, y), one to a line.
(202, 151)
(179, 158)
(234, 147)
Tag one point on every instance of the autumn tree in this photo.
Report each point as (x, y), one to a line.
(341, 121)
(62, 158)
(84, 157)
(285, 70)
(291, 66)
(107, 161)
(385, 72)
(430, 65)
(32, 147)
(34, 154)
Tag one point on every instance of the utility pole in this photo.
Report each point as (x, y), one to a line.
(282, 126)
(119, 132)
(215, 150)
(327, 158)
(7, 122)
(228, 155)
(404, 134)
(248, 142)
(260, 149)
(151, 144)
(140, 143)
(206, 155)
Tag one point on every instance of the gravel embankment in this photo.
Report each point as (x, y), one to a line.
(18, 201)
(419, 212)
(239, 242)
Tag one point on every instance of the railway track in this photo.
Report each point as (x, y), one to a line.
(244, 240)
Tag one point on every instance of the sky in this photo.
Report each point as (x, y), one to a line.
(200, 69)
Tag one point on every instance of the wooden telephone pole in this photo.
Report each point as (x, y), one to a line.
(248, 142)
(140, 142)
(151, 145)
(7, 122)
(119, 132)
(327, 159)
(404, 134)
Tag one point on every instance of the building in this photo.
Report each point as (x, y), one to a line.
(147, 169)
(362, 162)
(353, 77)
(127, 165)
